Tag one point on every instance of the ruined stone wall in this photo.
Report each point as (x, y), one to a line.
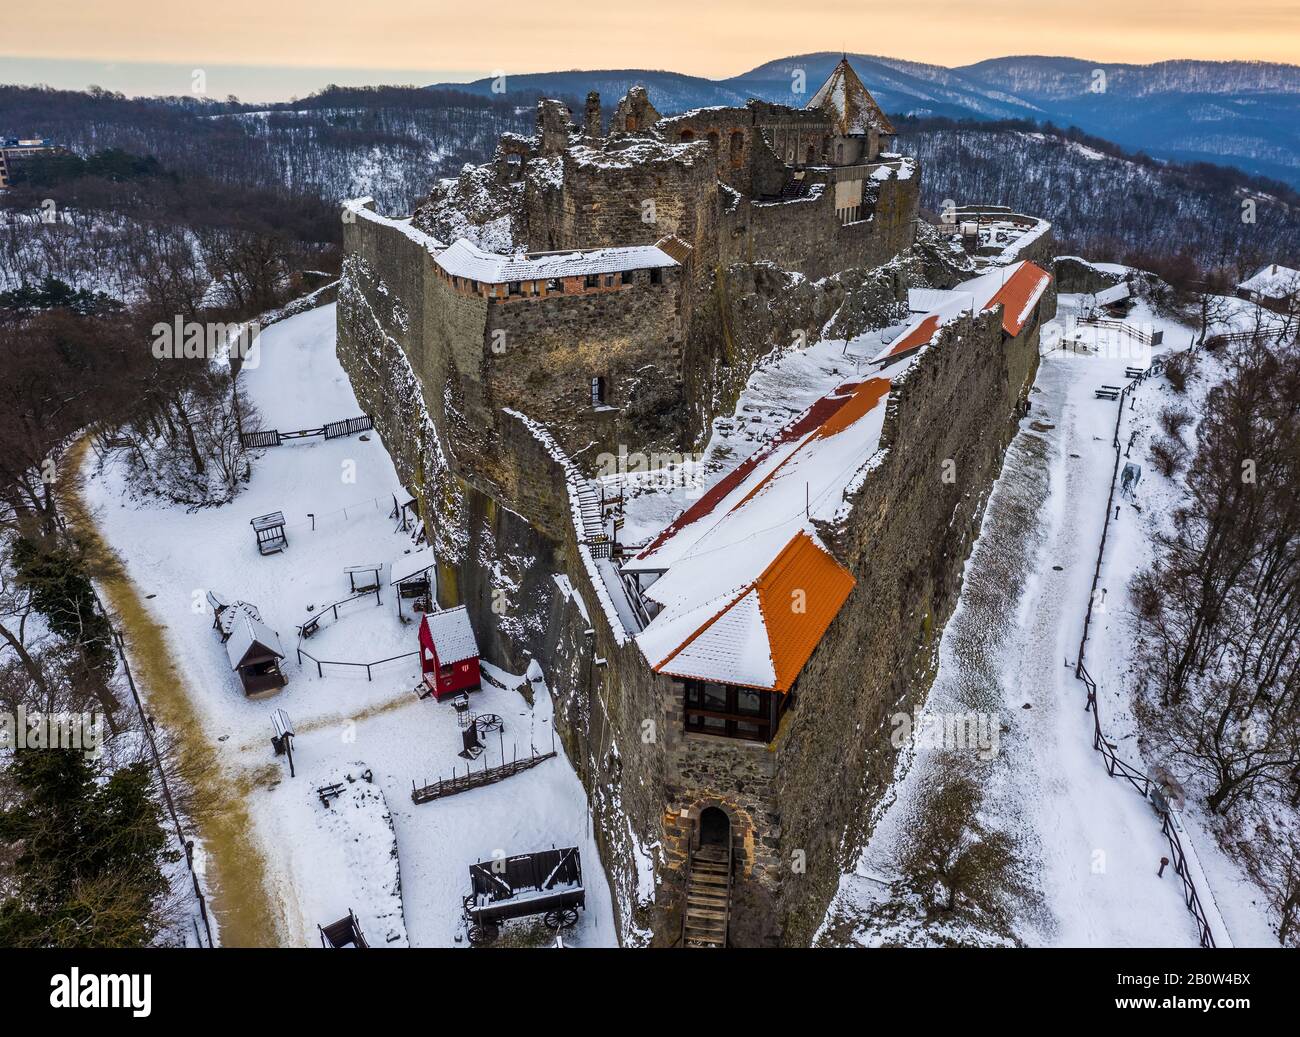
(544, 351)
(733, 141)
(1077, 275)
(806, 234)
(631, 197)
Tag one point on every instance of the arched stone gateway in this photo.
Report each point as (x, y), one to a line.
(714, 828)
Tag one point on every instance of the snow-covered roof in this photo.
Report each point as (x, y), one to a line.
(1273, 282)
(848, 103)
(926, 300)
(1017, 288)
(747, 586)
(402, 569)
(249, 636)
(453, 637)
(1114, 293)
(464, 259)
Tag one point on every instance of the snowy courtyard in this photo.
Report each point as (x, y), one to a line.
(374, 738)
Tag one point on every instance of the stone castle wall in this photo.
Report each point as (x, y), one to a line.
(632, 197)
(806, 234)
(906, 541)
(544, 352)
(421, 359)
(799, 807)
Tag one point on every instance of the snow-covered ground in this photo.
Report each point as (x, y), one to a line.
(336, 497)
(1093, 842)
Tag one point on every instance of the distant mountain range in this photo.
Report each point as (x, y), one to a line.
(1240, 113)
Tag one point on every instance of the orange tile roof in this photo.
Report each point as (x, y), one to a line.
(864, 398)
(1018, 294)
(800, 592)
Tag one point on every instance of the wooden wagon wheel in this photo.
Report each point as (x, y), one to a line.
(480, 933)
(563, 918)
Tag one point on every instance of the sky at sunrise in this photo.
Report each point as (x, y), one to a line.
(263, 50)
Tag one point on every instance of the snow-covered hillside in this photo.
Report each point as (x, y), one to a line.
(1090, 847)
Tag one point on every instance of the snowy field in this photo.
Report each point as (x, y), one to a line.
(1009, 650)
(316, 861)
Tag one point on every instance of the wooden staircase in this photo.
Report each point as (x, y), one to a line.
(708, 897)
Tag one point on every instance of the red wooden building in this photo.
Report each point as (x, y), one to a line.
(448, 653)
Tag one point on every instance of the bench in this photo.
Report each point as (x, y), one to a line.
(329, 792)
(1108, 392)
(1136, 372)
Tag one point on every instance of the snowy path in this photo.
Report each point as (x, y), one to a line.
(1100, 841)
(344, 723)
(1094, 842)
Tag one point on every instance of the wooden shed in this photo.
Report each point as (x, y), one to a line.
(412, 575)
(448, 653)
(254, 652)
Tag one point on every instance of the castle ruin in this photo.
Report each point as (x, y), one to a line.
(726, 656)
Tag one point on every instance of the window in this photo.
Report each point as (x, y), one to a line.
(609, 280)
(749, 701)
(625, 277)
(686, 136)
(732, 712)
(657, 275)
(737, 148)
(555, 284)
(591, 281)
(516, 288)
(597, 391)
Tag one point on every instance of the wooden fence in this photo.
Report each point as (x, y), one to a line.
(330, 430)
(1147, 338)
(476, 779)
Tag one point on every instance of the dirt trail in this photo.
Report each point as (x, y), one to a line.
(235, 870)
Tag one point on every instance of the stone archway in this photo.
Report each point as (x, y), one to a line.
(714, 827)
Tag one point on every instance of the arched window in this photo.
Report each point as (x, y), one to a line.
(839, 152)
(811, 156)
(737, 147)
(687, 135)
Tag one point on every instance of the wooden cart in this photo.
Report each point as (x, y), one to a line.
(548, 883)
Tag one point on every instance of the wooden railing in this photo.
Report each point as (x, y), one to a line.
(1147, 338)
(476, 779)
